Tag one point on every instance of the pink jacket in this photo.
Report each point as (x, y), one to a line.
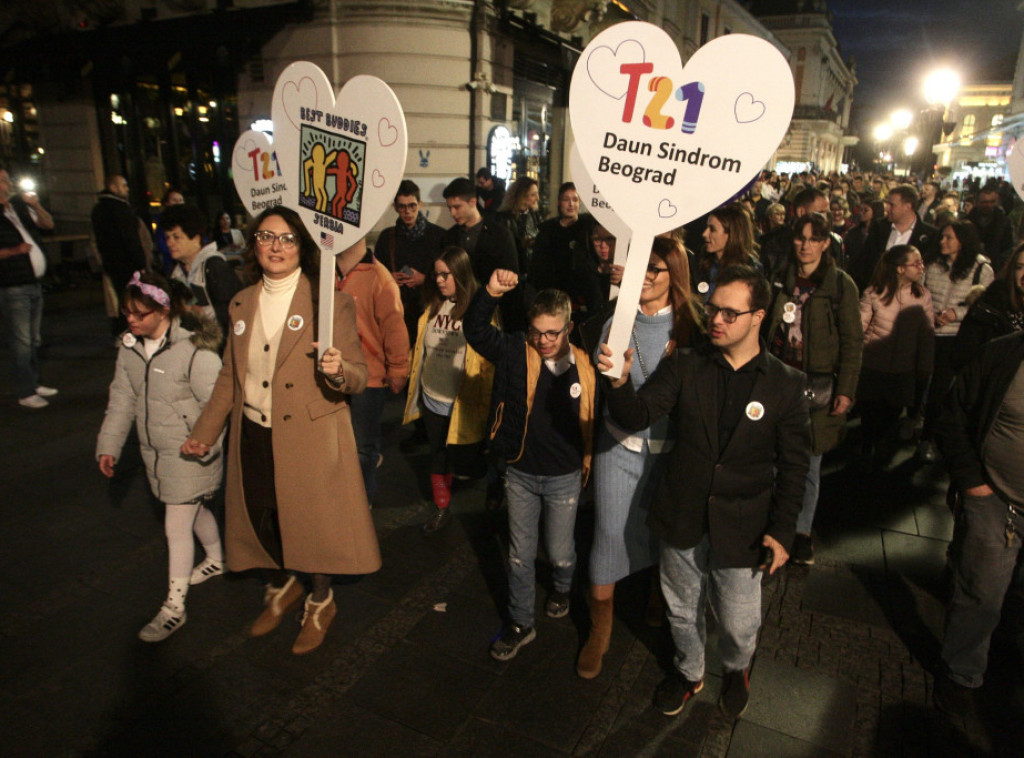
(899, 338)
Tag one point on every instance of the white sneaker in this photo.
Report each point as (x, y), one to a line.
(44, 391)
(32, 401)
(163, 625)
(208, 569)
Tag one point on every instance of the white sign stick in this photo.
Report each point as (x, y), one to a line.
(629, 297)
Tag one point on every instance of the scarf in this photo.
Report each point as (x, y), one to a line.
(414, 232)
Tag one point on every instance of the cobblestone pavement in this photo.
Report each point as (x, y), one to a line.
(844, 665)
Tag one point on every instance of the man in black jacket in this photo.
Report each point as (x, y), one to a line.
(981, 435)
(901, 226)
(994, 228)
(22, 265)
(732, 490)
(490, 246)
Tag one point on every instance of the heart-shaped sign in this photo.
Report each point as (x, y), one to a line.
(343, 158)
(1015, 160)
(256, 173)
(667, 144)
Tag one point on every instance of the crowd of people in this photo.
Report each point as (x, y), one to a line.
(760, 329)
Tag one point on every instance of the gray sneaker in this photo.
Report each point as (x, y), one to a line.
(557, 605)
(514, 637)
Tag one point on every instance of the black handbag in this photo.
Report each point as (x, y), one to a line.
(820, 390)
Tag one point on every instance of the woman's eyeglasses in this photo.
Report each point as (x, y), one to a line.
(442, 275)
(264, 238)
(137, 315)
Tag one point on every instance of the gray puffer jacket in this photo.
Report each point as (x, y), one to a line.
(164, 396)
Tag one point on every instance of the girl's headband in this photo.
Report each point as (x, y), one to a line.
(157, 294)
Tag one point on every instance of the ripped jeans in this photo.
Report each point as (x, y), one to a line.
(529, 497)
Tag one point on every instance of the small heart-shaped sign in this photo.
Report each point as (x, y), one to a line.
(343, 156)
(665, 143)
(1015, 160)
(256, 173)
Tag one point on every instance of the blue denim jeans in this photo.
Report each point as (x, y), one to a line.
(984, 571)
(22, 310)
(367, 407)
(530, 497)
(813, 485)
(688, 579)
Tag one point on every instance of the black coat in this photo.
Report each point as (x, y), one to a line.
(971, 406)
(924, 237)
(116, 228)
(495, 249)
(755, 487)
(987, 319)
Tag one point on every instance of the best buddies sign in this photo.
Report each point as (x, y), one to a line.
(337, 161)
(667, 143)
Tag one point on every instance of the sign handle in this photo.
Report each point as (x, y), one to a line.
(621, 248)
(325, 312)
(637, 258)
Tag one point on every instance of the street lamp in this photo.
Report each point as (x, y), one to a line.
(910, 146)
(900, 119)
(883, 133)
(940, 89)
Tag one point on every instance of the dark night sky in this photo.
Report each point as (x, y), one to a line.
(897, 42)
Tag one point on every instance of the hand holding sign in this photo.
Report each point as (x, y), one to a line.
(342, 158)
(665, 143)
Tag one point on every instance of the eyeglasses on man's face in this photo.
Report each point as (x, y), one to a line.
(535, 335)
(729, 315)
(403, 207)
(265, 238)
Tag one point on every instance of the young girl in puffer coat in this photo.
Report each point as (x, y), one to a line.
(163, 378)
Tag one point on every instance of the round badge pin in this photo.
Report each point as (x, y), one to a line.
(295, 323)
(755, 411)
(128, 340)
(575, 390)
(703, 288)
(789, 317)
(239, 328)
(789, 307)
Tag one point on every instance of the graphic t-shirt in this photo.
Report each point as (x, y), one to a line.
(444, 359)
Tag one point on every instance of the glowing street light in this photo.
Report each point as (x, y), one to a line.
(883, 133)
(941, 86)
(910, 146)
(900, 119)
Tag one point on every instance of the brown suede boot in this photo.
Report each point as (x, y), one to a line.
(278, 601)
(589, 663)
(316, 620)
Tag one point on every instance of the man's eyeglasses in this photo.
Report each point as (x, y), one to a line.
(729, 316)
(537, 336)
(264, 238)
(406, 206)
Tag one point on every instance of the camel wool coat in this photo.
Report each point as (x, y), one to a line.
(323, 513)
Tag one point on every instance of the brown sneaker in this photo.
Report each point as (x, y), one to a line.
(316, 620)
(278, 601)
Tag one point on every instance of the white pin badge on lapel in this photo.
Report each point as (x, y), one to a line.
(239, 328)
(755, 411)
(295, 323)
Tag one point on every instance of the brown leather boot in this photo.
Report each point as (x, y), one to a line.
(588, 665)
(278, 602)
(316, 620)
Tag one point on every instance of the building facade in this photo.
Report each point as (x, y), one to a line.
(977, 146)
(158, 90)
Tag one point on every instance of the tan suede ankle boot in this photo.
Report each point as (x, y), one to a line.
(589, 663)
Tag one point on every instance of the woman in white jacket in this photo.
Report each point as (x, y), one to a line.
(163, 378)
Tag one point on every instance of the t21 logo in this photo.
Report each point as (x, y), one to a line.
(691, 93)
(261, 164)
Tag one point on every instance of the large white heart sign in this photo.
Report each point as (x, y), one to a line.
(667, 144)
(1015, 160)
(343, 159)
(256, 173)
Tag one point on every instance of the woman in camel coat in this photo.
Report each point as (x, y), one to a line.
(295, 495)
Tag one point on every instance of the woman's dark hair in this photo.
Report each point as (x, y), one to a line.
(1008, 275)
(309, 252)
(458, 263)
(686, 323)
(970, 248)
(886, 279)
(178, 295)
(519, 189)
(820, 227)
(739, 228)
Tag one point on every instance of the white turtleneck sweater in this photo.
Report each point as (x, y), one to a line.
(275, 297)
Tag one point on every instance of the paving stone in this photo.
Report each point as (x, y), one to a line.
(482, 737)
(818, 709)
(846, 595)
(920, 558)
(752, 741)
(347, 725)
(851, 546)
